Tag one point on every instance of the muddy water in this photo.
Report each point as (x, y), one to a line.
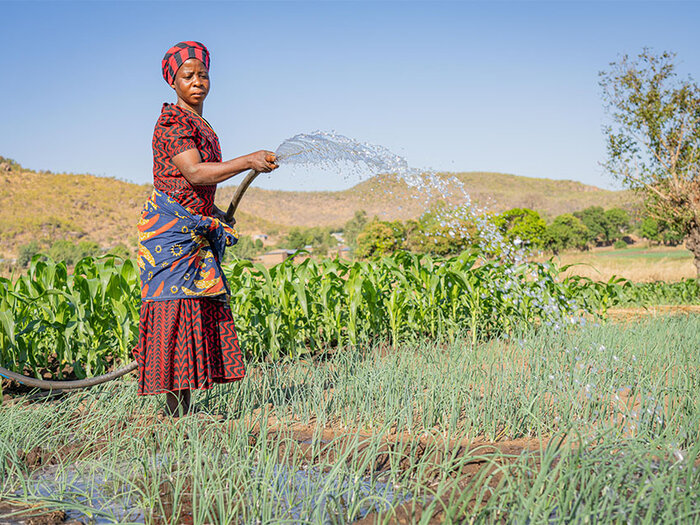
(92, 495)
(330, 496)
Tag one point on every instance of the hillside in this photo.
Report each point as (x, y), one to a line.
(389, 198)
(45, 206)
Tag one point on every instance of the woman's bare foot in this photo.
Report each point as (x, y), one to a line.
(177, 403)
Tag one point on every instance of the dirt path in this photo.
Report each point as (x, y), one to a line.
(637, 313)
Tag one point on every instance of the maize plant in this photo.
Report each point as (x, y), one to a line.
(88, 318)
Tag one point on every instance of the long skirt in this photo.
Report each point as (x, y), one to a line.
(187, 344)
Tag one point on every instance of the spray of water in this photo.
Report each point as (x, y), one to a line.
(350, 158)
(347, 157)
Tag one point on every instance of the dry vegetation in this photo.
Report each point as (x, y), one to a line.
(644, 264)
(390, 199)
(47, 206)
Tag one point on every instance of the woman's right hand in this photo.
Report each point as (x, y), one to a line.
(263, 161)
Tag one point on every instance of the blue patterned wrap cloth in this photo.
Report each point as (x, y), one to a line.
(180, 252)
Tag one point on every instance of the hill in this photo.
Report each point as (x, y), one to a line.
(45, 206)
(390, 198)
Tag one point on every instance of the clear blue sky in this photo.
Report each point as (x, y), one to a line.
(454, 86)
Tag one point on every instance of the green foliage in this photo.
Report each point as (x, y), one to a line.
(618, 222)
(288, 309)
(654, 142)
(596, 224)
(380, 238)
(318, 238)
(50, 317)
(565, 232)
(442, 231)
(620, 244)
(26, 252)
(604, 226)
(621, 292)
(84, 319)
(246, 248)
(523, 224)
(353, 228)
(670, 234)
(649, 229)
(658, 231)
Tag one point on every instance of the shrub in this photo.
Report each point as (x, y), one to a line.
(26, 252)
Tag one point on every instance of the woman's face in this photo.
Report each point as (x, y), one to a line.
(192, 82)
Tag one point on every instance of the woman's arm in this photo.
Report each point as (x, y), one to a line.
(199, 173)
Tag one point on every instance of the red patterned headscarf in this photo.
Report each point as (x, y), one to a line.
(177, 55)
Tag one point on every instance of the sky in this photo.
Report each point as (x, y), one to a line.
(507, 87)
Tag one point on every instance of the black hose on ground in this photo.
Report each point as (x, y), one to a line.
(68, 385)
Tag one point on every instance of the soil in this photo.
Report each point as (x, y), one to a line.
(12, 513)
(635, 314)
(330, 444)
(314, 446)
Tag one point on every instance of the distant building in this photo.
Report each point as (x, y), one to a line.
(343, 252)
(274, 257)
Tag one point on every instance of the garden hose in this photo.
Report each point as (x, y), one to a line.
(239, 195)
(98, 380)
(235, 201)
(67, 385)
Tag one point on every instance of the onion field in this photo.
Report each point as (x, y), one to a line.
(407, 389)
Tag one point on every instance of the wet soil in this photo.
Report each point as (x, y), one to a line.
(12, 513)
(475, 459)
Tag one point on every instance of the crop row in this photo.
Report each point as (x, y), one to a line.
(51, 319)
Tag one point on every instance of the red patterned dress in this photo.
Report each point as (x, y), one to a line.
(185, 343)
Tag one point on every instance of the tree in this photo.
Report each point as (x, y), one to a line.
(442, 231)
(596, 223)
(318, 238)
(246, 248)
(654, 142)
(649, 229)
(618, 223)
(380, 238)
(566, 231)
(353, 227)
(524, 224)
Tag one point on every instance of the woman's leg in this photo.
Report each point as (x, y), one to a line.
(178, 402)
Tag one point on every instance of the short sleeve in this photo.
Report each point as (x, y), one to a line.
(178, 136)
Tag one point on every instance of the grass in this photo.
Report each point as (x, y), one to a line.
(597, 424)
(638, 264)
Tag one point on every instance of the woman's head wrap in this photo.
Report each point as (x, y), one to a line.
(177, 55)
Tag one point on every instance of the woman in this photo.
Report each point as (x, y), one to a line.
(187, 338)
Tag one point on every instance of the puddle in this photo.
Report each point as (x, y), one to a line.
(311, 441)
(90, 495)
(312, 495)
(96, 496)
